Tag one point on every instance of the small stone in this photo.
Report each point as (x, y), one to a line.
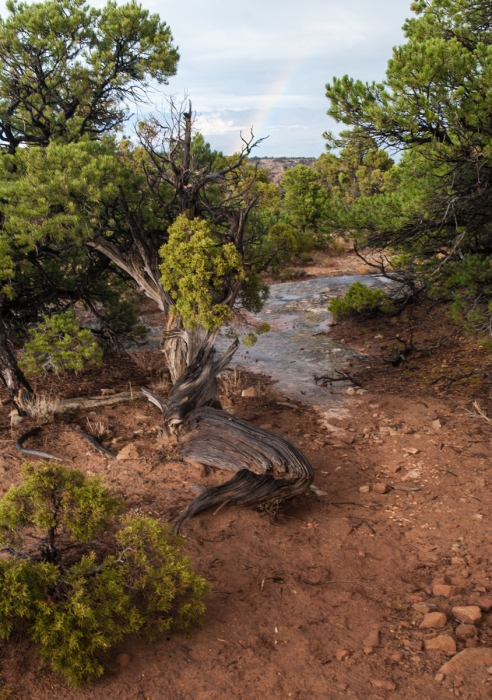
(373, 638)
(108, 392)
(468, 659)
(364, 489)
(457, 561)
(412, 644)
(434, 621)
(439, 677)
(368, 650)
(436, 424)
(342, 654)
(381, 488)
(465, 631)
(484, 602)
(441, 643)
(477, 516)
(411, 450)
(446, 591)
(396, 657)
(384, 685)
(360, 392)
(350, 391)
(468, 615)
(489, 670)
(250, 393)
(471, 642)
(421, 608)
(123, 659)
(412, 474)
(130, 451)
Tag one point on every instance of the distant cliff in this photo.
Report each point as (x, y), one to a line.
(276, 167)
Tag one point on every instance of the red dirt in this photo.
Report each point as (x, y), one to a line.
(291, 597)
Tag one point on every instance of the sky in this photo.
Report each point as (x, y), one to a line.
(264, 64)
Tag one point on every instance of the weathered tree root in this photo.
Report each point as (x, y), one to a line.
(208, 435)
(35, 453)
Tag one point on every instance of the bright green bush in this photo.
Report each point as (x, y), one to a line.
(60, 344)
(78, 577)
(360, 300)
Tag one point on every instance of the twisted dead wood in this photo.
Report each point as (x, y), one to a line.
(269, 467)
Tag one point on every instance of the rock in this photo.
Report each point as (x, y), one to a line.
(412, 644)
(457, 561)
(130, 451)
(411, 450)
(468, 615)
(436, 424)
(360, 392)
(342, 654)
(108, 392)
(467, 660)
(373, 638)
(446, 591)
(384, 685)
(465, 631)
(421, 608)
(350, 391)
(484, 602)
(123, 659)
(368, 650)
(364, 489)
(250, 393)
(443, 642)
(381, 488)
(396, 657)
(439, 677)
(434, 621)
(412, 474)
(471, 642)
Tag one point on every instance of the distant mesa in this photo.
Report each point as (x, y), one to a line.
(277, 167)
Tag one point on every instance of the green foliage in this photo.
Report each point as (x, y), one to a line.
(76, 596)
(195, 269)
(72, 66)
(360, 300)
(60, 344)
(305, 199)
(250, 339)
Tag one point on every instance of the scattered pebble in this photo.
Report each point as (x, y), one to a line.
(250, 393)
(483, 602)
(468, 615)
(383, 685)
(381, 488)
(446, 591)
(465, 631)
(364, 489)
(123, 659)
(373, 638)
(441, 643)
(434, 621)
(342, 654)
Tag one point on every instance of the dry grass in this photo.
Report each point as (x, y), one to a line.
(42, 407)
(96, 428)
(478, 412)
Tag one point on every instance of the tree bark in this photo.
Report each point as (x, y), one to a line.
(11, 374)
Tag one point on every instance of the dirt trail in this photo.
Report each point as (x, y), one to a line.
(325, 601)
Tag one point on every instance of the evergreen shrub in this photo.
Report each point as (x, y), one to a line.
(360, 300)
(76, 575)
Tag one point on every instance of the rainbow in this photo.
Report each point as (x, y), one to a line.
(271, 99)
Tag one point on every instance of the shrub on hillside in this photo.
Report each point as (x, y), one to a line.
(59, 344)
(76, 576)
(360, 300)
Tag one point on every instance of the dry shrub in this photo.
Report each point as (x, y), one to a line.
(42, 407)
(96, 428)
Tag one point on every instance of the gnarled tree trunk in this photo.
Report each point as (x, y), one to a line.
(11, 374)
(268, 467)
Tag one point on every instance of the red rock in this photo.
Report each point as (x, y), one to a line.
(484, 602)
(468, 615)
(342, 654)
(434, 621)
(372, 639)
(384, 685)
(396, 657)
(381, 488)
(123, 659)
(471, 643)
(466, 660)
(465, 631)
(442, 642)
(413, 644)
(447, 591)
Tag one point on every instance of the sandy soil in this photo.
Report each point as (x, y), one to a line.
(326, 600)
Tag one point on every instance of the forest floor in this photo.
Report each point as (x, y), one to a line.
(325, 601)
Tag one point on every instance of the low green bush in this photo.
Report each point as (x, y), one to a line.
(59, 344)
(360, 300)
(77, 575)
